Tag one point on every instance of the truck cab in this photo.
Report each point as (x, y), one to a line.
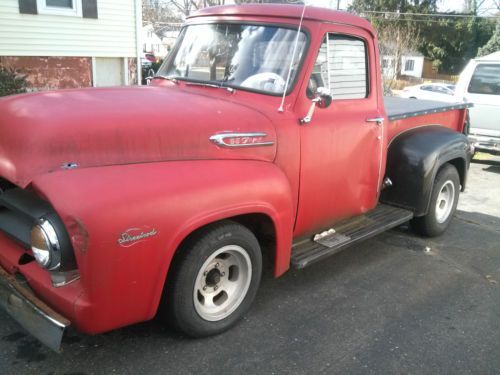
(263, 137)
(479, 84)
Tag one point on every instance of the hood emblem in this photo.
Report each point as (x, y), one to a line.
(240, 139)
(70, 165)
(133, 236)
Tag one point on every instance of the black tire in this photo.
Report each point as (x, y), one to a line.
(179, 303)
(430, 225)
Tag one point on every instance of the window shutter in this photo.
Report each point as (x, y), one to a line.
(27, 7)
(89, 8)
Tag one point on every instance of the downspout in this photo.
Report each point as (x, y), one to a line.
(138, 31)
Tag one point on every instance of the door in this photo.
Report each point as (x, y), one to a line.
(341, 149)
(108, 71)
(484, 91)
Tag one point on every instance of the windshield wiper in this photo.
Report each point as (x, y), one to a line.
(230, 89)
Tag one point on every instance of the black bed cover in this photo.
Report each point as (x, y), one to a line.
(401, 108)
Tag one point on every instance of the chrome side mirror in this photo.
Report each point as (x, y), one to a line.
(322, 98)
(325, 97)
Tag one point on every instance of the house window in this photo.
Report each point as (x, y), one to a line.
(342, 67)
(60, 7)
(68, 4)
(409, 65)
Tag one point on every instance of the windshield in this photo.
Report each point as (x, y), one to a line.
(242, 56)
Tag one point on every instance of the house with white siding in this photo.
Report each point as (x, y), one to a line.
(152, 43)
(412, 64)
(72, 43)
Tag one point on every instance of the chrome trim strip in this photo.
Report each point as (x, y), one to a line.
(218, 139)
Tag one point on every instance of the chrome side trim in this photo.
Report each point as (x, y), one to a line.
(247, 139)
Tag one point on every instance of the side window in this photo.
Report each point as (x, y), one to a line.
(341, 67)
(485, 80)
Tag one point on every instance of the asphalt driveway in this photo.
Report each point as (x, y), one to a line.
(395, 304)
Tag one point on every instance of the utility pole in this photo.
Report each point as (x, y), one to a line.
(338, 4)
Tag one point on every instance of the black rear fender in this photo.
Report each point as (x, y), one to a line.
(413, 160)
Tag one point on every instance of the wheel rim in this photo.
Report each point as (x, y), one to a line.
(222, 283)
(445, 200)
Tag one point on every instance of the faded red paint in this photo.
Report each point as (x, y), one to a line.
(47, 73)
(145, 160)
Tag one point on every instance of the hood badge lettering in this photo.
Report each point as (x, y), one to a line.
(133, 236)
(240, 139)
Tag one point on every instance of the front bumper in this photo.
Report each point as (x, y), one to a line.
(30, 312)
(485, 143)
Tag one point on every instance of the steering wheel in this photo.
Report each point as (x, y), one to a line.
(267, 81)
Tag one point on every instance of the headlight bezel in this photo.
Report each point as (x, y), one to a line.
(48, 233)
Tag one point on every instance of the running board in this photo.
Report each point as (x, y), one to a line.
(347, 233)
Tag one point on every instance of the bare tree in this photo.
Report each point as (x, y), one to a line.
(482, 7)
(211, 3)
(157, 12)
(396, 39)
(185, 7)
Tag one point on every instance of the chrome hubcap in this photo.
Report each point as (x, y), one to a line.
(445, 200)
(222, 283)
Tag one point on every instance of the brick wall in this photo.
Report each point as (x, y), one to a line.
(46, 73)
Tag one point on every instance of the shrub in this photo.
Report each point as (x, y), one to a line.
(11, 82)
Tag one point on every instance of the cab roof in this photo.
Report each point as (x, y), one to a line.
(495, 56)
(285, 11)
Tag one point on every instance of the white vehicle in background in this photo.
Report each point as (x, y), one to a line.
(479, 84)
(442, 92)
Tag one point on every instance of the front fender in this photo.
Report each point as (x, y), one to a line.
(413, 160)
(123, 279)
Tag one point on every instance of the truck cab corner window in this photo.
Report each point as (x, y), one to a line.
(485, 80)
(342, 67)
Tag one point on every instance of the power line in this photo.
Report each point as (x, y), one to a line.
(409, 20)
(429, 14)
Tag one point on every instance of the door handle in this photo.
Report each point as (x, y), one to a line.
(377, 120)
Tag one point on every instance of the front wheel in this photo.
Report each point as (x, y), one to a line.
(214, 281)
(443, 204)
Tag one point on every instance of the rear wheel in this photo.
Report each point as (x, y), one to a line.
(215, 280)
(443, 204)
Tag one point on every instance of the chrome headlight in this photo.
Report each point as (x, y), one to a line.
(45, 245)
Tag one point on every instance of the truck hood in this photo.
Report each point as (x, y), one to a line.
(44, 132)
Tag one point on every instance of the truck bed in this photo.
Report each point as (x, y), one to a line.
(402, 108)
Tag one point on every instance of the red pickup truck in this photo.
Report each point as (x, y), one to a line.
(264, 133)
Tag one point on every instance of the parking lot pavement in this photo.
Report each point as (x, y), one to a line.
(395, 304)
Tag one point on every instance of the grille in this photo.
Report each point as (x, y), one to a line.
(19, 211)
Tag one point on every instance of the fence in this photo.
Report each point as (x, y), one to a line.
(440, 77)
